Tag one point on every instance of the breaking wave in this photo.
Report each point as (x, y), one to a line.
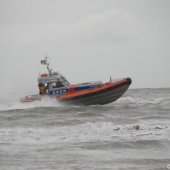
(87, 132)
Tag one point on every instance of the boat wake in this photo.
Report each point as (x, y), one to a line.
(52, 102)
(17, 105)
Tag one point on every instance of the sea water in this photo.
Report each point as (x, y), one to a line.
(132, 133)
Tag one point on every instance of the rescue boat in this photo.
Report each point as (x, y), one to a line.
(55, 85)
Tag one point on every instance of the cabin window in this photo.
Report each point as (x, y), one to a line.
(57, 84)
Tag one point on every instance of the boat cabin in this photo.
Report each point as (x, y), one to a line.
(56, 84)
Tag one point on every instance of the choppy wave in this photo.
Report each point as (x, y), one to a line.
(142, 100)
(131, 133)
(87, 132)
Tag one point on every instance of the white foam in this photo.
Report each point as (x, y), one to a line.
(45, 102)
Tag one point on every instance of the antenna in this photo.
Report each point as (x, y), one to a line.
(110, 79)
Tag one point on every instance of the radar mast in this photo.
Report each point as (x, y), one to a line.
(45, 62)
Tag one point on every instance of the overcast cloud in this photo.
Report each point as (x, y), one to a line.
(86, 40)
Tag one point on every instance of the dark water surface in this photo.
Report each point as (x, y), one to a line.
(132, 133)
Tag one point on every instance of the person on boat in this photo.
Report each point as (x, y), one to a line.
(42, 89)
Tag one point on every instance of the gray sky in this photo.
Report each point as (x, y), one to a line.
(86, 40)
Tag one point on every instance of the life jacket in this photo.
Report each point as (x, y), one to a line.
(42, 90)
